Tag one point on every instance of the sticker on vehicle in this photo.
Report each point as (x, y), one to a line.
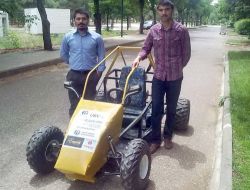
(74, 141)
(86, 125)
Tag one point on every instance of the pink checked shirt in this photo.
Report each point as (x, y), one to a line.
(172, 50)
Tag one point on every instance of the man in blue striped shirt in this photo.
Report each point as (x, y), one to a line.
(82, 50)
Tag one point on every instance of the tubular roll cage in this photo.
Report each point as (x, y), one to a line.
(119, 51)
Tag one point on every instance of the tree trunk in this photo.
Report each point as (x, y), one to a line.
(107, 23)
(46, 26)
(128, 22)
(181, 13)
(142, 2)
(97, 17)
(112, 23)
(152, 7)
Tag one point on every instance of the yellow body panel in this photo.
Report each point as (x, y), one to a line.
(86, 144)
(85, 147)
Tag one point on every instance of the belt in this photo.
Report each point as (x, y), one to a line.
(82, 72)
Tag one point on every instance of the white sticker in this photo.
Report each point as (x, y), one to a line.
(84, 132)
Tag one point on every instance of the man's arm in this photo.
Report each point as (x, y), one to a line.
(147, 46)
(145, 50)
(186, 47)
(64, 50)
(100, 53)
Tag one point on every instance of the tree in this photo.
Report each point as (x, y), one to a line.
(152, 7)
(242, 9)
(141, 5)
(8, 6)
(97, 17)
(181, 7)
(14, 9)
(233, 10)
(45, 25)
(106, 9)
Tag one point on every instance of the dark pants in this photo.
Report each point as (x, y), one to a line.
(170, 89)
(78, 80)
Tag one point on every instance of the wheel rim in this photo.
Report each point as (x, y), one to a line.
(52, 150)
(144, 167)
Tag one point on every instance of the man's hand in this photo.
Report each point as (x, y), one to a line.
(136, 62)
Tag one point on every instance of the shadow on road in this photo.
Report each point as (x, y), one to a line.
(187, 157)
(39, 181)
(186, 133)
(104, 183)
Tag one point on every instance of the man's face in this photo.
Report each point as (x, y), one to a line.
(165, 13)
(81, 21)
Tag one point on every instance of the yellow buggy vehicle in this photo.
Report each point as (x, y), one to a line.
(108, 134)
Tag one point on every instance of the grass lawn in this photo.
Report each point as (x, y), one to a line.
(17, 38)
(236, 39)
(239, 66)
(27, 41)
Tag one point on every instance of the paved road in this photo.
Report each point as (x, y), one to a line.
(37, 98)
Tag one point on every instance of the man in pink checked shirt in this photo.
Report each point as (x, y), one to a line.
(172, 51)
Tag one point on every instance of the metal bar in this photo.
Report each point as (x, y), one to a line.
(123, 59)
(87, 79)
(129, 48)
(113, 150)
(110, 173)
(136, 120)
(151, 60)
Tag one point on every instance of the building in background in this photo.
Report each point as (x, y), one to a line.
(4, 23)
(59, 20)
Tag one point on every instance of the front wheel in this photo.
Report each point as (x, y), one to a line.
(136, 165)
(43, 149)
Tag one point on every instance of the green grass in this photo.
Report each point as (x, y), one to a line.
(110, 33)
(236, 39)
(239, 65)
(20, 39)
(17, 38)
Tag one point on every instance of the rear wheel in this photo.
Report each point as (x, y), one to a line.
(182, 114)
(136, 165)
(43, 149)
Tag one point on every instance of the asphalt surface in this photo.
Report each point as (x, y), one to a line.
(37, 98)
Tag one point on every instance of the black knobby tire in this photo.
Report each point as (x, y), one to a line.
(182, 114)
(136, 165)
(39, 152)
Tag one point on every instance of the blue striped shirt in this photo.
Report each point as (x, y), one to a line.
(83, 52)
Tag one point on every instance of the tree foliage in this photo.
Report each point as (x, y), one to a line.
(108, 11)
(233, 10)
(9, 7)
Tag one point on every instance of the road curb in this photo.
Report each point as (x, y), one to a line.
(29, 67)
(222, 171)
(226, 160)
(21, 69)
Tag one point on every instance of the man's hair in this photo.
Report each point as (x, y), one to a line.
(165, 3)
(80, 11)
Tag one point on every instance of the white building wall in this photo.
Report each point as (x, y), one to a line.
(59, 20)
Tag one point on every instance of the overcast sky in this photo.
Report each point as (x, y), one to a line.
(214, 1)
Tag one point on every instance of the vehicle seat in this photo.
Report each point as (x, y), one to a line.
(137, 101)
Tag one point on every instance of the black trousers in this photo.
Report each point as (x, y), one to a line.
(78, 79)
(170, 90)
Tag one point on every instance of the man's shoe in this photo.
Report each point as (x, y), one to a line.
(168, 144)
(153, 147)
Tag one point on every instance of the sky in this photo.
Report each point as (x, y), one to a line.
(214, 2)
